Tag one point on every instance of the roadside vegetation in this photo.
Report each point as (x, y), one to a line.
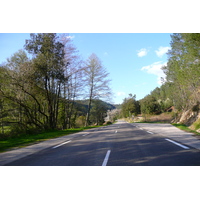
(178, 98)
(185, 128)
(22, 140)
(46, 88)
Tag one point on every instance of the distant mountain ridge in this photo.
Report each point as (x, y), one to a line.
(84, 104)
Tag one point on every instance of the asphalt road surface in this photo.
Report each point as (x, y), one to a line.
(120, 144)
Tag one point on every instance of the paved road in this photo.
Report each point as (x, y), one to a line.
(120, 144)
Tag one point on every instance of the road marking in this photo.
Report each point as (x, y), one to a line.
(86, 134)
(61, 144)
(106, 158)
(115, 131)
(183, 146)
(141, 128)
(150, 132)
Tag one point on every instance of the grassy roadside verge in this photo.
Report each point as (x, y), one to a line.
(182, 127)
(185, 128)
(165, 118)
(25, 140)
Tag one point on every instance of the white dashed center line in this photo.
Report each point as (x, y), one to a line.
(150, 132)
(106, 158)
(180, 145)
(86, 134)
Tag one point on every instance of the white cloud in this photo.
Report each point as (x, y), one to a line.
(161, 51)
(70, 37)
(155, 69)
(142, 52)
(121, 93)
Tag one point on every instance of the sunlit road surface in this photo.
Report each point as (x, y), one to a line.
(120, 144)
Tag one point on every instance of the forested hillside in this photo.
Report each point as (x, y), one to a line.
(41, 84)
(181, 88)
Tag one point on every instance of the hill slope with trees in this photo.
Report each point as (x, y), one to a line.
(181, 89)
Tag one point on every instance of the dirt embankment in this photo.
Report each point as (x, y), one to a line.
(163, 118)
(191, 118)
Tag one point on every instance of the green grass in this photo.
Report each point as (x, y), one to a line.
(185, 128)
(24, 140)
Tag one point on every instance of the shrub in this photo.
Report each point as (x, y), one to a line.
(108, 123)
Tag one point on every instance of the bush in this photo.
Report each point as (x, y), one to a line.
(108, 123)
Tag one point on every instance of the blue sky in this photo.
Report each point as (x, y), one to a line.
(132, 59)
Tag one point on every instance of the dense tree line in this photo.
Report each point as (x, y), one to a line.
(130, 107)
(158, 101)
(180, 88)
(40, 93)
(182, 84)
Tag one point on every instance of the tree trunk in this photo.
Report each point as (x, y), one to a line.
(88, 112)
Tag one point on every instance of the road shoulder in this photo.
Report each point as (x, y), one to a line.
(170, 131)
(12, 155)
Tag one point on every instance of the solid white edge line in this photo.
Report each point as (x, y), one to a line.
(180, 145)
(61, 144)
(106, 158)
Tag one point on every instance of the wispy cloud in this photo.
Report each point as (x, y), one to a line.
(121, 93)
(161, 51)
(70, 37)
(142, 52)
(155, 69)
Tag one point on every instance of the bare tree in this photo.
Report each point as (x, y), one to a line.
(97, 82)
(72, 85)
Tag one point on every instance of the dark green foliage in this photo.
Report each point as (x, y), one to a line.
(98, 112)
(149, 105)
(99, 109)
(157, 101)
(49, 65)
(130, 106)
(108, 123)
(183, 70)
(182, 85)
